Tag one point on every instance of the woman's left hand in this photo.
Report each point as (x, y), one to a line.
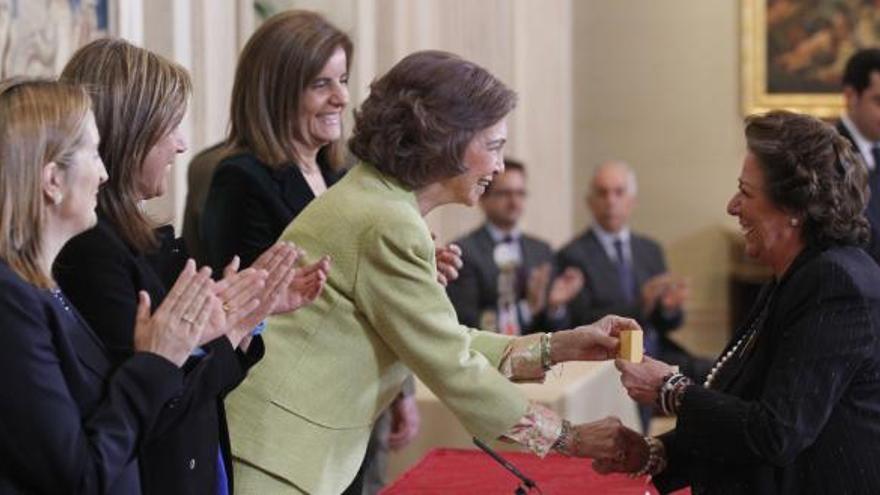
(643, 380)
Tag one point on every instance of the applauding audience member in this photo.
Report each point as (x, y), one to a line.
(625, 273)
(507, 280)
(71, 419)
(139, 100)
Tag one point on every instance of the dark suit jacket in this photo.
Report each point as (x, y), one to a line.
(872, 209)
(102, 275)
(198, 180)
(799, 411)
(249, 205)
(602, 294)
(69, 422)
(476, 289)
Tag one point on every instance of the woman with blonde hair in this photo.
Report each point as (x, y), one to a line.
(71, 421)
(139, 100)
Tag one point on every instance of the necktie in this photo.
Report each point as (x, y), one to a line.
(624, 272)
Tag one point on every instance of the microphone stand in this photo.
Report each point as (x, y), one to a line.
(527, 483)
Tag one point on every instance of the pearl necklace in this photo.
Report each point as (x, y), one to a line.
(743, 342)
(723, 359)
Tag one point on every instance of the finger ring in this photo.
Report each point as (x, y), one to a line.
(188, 319)
(226, 307)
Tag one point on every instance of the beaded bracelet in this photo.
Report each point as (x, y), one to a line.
(669, 398)
(567, 442)
(656, 461)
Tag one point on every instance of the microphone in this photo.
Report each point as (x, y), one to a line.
(526, 481)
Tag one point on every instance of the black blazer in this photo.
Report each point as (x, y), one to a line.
(69, 422)
(602, 294)
(872, 209)
(250, 204)
(799, 411)
(476, 289)
(102, 276)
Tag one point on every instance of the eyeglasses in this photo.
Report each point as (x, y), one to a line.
(507, 193)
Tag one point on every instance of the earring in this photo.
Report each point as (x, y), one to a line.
(56, 200)
(794, 222)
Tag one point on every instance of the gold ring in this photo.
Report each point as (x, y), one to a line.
(226, 307)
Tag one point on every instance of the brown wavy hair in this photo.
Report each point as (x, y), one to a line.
(276, 65)
(419, 118)
(41, 121)
(138, 97)
(813, 172)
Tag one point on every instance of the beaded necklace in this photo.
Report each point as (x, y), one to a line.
(741, 345)
(56, 293)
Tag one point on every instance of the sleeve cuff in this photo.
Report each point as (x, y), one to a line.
(521, 361)
(537, 430)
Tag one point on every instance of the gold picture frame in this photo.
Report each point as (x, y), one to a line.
(792, 54)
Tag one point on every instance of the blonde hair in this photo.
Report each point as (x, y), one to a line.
(138, 97)
(41, 121)
(276, 65)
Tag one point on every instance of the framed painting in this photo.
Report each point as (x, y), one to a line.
(37, 37)
(794, 51)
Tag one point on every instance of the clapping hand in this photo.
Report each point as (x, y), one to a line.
(176, 327)
(565, 287)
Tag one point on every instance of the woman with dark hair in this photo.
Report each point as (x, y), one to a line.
(283, 151)
(139, 99)
(431, 133)
(793, 403)
(71, 421)
(291, 87)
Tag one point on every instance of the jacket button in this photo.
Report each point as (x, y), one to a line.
(192, 464)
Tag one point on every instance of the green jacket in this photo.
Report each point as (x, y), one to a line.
(304, 413)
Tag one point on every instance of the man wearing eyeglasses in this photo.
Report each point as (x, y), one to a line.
(507, 282)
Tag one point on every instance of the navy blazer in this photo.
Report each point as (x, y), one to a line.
(250, 204)
(102, 276)
(798, 411)
(69, 422)
(872, 209)
(476, 289)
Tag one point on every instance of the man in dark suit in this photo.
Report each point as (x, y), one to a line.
(625, 273)
(861, 125)
(505, 282)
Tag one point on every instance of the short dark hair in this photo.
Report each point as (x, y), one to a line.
(812, 171)
(859, 67)
(420, 117)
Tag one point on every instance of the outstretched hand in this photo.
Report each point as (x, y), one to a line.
(595, 342)
(643, 380)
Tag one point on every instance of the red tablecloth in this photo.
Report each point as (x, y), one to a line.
(446, 471)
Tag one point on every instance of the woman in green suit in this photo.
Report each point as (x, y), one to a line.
(431, 133)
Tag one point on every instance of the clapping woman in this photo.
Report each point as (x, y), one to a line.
(71, 419)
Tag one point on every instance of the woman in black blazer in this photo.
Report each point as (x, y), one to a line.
(291, 88)
(793, 404)
(71, 421)
(139, 100)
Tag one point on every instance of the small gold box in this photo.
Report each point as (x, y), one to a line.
(631, 346)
